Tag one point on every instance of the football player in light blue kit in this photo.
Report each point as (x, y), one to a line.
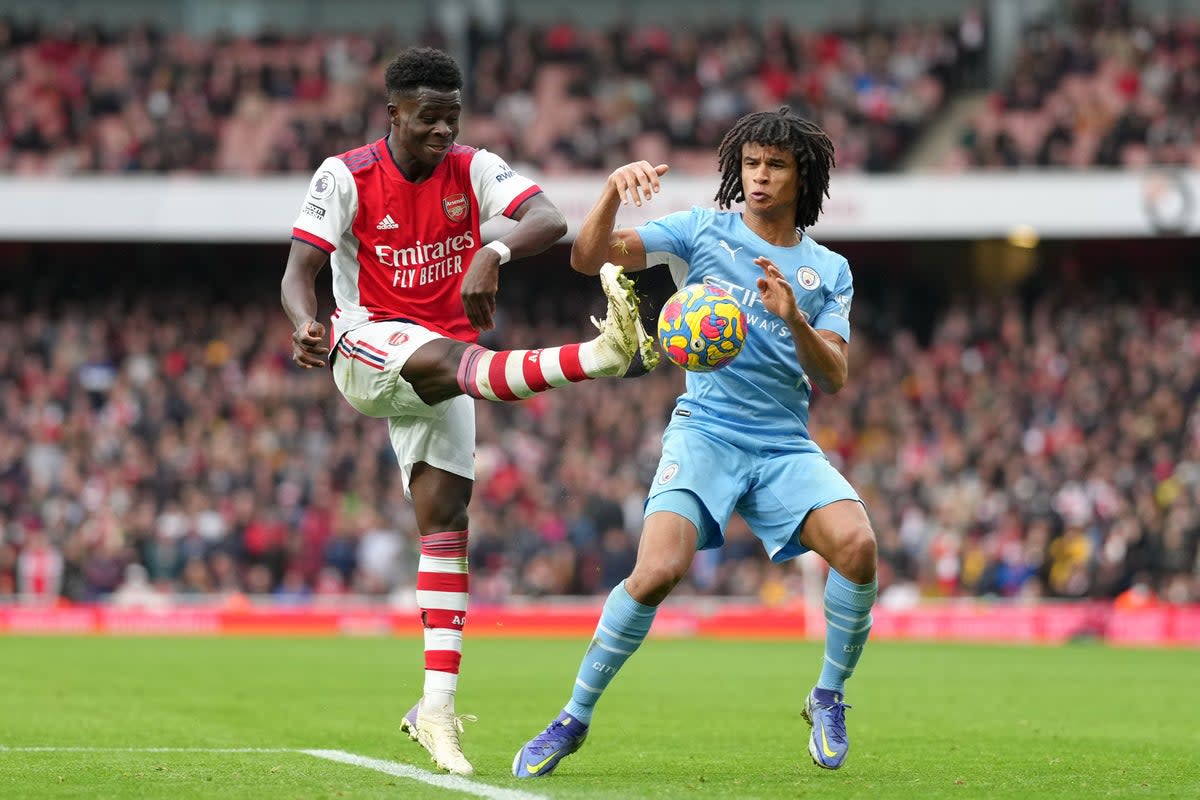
(738, 438)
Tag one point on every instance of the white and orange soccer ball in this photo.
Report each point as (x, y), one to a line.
(701, 328)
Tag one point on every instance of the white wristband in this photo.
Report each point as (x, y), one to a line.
(500, 249)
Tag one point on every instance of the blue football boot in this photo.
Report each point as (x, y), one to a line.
(541, 755)
(829, 743)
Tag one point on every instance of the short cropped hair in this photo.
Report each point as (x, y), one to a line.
(423, 67)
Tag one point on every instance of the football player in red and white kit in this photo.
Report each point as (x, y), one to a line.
(398, 219)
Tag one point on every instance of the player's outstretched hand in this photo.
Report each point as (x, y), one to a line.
(308, 344)
(776, 292)
(636, 181)
(479, 288)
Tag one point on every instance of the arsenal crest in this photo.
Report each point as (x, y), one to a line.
(455, 207)
(397, 338)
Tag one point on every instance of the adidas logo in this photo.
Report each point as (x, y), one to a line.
(387, 224)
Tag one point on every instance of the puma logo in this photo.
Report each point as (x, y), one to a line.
(725, 246)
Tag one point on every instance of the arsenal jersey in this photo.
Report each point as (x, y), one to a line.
(398, 249)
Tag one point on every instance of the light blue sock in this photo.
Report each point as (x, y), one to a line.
(847, 625)
(622, 628)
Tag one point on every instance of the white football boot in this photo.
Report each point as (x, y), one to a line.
(621, 333)
(439, 731)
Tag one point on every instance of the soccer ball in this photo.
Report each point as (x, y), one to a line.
(701, 328)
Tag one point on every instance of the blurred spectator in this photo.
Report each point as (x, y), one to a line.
(137, 592)
(39, 568)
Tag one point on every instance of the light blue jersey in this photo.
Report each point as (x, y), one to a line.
(764, 391)
(738, 439)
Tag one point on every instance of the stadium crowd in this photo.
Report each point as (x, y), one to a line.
(557, 97)
(1099, 87)
(1049, 449)
(1108, 90)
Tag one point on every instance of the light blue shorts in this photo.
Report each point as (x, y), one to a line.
(705, 479)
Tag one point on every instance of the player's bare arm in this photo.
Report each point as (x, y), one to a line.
(299, 296)
(597, 242)
(539, 225)
(823, 354)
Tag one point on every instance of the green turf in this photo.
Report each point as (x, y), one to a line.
(706, 719)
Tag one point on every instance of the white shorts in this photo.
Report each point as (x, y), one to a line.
(367, 373)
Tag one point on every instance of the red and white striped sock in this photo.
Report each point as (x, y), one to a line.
(442, 598)
(517, 374)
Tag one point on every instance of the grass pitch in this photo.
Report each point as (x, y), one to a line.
(685, 718)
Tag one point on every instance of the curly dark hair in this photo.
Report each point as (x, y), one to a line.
(806, 141)
(423, 67)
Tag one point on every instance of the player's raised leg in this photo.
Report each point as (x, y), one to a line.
(841, 533)
(667, 547)
(517, 374)
(444, 368)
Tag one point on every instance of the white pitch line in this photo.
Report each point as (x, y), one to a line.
(452, 782)
(433, 779)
